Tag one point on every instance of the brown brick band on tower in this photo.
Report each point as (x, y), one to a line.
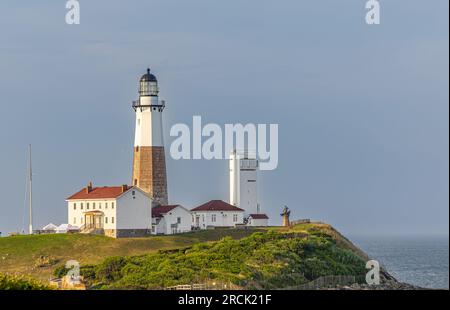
(149, 171)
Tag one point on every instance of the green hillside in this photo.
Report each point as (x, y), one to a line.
(259, 258)
(268, 260)
(37, 255)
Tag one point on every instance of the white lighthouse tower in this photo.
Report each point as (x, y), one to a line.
(149, 164)
(243, 181)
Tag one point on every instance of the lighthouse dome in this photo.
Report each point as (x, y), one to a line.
(148, 77)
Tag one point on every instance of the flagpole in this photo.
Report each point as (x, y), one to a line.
(30, 229)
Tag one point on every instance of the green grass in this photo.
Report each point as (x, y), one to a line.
(39, 255)
(21, 254)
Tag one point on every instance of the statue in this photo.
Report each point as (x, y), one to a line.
(285, 214)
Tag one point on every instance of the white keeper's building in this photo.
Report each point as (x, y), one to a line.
(216, 213)
(115, 211)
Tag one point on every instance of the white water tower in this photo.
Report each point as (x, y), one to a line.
(243, 181)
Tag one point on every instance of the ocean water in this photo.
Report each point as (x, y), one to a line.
(422, 261)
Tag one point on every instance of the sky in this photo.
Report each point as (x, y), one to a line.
(362, 109)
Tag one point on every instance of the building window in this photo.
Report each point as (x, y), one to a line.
(93, 205)
(81, 206)
(235, 218)
(112, 205)
(87, 205)
(213, 218)
(112, 220)
(74, 206)
(106, 205)
(135, 182)
(106, 220)
(178, 220)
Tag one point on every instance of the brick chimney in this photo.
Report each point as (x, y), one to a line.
(124, 188)
(89, 188)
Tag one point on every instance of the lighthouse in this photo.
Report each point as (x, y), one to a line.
(149, 164)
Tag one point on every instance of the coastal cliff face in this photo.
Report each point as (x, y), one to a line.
(263, 258)
(279, 258)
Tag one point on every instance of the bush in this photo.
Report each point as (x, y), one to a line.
(20, 283)
(262, 260)
(60, 271)
(111, 269)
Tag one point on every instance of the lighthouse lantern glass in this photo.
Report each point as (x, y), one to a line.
(148, 88)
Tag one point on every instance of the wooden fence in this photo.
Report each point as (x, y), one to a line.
(326, 282)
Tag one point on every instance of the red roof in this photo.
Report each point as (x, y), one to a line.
(216, 205)
(106, 192)
(260, 216)
(159, 211)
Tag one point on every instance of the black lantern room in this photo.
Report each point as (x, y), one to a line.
(148, 85)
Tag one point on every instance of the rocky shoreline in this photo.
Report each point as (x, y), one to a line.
(386, 285)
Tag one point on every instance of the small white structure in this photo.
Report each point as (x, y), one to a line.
(216, 213)
(259, 219)
(49, 228)
(66, 228)
(170, 219)
(116, 211)
(243, 181)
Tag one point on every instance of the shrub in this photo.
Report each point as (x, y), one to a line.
(262, 260)
(20, 283)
